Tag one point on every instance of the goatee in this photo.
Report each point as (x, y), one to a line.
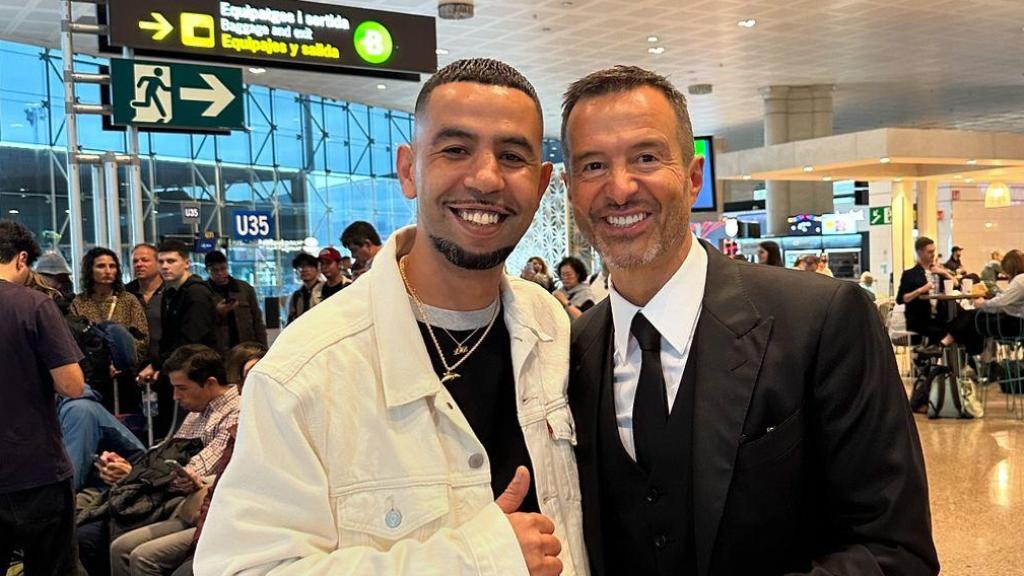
(463, 258)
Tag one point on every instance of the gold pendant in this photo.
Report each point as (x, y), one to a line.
(460, 350)
(449, 376)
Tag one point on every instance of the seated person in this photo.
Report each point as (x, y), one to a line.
(197, 375)
(89, 429)
(575, 294)
(1002, 315)
(241, 359)
(992, 272)
(923, 316)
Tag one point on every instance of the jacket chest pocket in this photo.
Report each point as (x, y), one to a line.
(381, 517)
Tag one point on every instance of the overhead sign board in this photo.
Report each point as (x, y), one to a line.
(252, 225)
(880, 215)
(176, 95)
(190, 213)
(310, 35)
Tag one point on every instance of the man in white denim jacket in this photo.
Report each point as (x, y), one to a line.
(353, 457)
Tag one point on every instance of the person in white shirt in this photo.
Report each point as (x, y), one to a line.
(417, 421)
(732, 418)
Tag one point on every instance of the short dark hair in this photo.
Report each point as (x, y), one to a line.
(304, 259)
(14, 239)
(484, 71)
(922, 243)
(957, 249)
(239, 356)
(89, 260)
(359, 233)
(576, 264)
(623, 79)
(198, 362)
(215, 257)
(174, 246)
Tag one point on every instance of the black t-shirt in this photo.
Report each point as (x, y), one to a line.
(486, 394)
(34, 339)
(329, 290)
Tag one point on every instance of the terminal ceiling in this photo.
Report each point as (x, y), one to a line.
(910, 63)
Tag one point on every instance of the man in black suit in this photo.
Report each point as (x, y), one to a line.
(731, 418)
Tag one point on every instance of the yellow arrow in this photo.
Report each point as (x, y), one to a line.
(159, 24)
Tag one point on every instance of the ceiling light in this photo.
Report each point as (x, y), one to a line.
(897, 179)
(988, 224)
(997, 195)
(748, 23)
(22, 189)
(885, 160)
(746, 176)
(808, 168)
(441, 52)
(455, 9)
(13, 211)
(382, 86)
(257, 70)
(652, 39)
(656, 50)
(826, 178)
(972, 162)
(969, 180)
(958, 177)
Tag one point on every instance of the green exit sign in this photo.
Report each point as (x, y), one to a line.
(181, 96)
(880, 215)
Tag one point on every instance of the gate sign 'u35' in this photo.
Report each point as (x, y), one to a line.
(309, 35)
(176, 95)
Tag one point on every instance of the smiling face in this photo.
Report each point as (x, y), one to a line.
(630, 183)
(475, 167)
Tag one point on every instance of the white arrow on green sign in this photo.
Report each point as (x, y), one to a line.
(217, 95)
(182, 96)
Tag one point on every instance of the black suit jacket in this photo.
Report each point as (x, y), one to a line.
(806, 454)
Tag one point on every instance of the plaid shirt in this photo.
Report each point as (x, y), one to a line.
(213, 426)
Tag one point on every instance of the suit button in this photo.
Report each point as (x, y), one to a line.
(476, 460)
(653, 495)
(660, 542)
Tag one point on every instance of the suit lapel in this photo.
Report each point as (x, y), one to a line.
(730, 343)
(592, 370)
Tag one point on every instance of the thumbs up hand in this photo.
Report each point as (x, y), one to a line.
(535, 532)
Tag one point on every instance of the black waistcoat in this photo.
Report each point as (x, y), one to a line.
(647, 519)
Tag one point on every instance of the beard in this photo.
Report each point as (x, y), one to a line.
(465, 259)
(663, 239)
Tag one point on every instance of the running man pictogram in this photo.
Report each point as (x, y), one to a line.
(154, 93)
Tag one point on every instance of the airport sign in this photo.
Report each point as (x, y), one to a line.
(286, 33)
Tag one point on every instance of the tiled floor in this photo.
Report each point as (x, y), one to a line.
(976, 477)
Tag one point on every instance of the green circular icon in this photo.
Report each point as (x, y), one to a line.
(373, 42)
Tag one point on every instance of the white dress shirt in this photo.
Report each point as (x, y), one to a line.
(673, 311)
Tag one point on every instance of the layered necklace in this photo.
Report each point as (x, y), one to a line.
(460, 349)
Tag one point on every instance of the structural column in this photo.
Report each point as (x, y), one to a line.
(902, 227)
(928, 210)
(796, 113)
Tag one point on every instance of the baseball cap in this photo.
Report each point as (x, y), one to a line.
(330, 254)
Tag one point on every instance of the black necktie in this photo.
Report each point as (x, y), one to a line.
(650, 406)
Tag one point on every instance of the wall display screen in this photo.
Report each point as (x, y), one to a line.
(707, 198)
(308, 35)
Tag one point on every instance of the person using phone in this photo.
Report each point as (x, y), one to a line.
(239, 316)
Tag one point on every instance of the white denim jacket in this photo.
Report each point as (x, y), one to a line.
(352, 458)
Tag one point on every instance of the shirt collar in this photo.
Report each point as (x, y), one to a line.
(217, 404)
(672, 311)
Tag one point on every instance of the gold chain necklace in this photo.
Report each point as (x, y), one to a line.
(449, 371)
